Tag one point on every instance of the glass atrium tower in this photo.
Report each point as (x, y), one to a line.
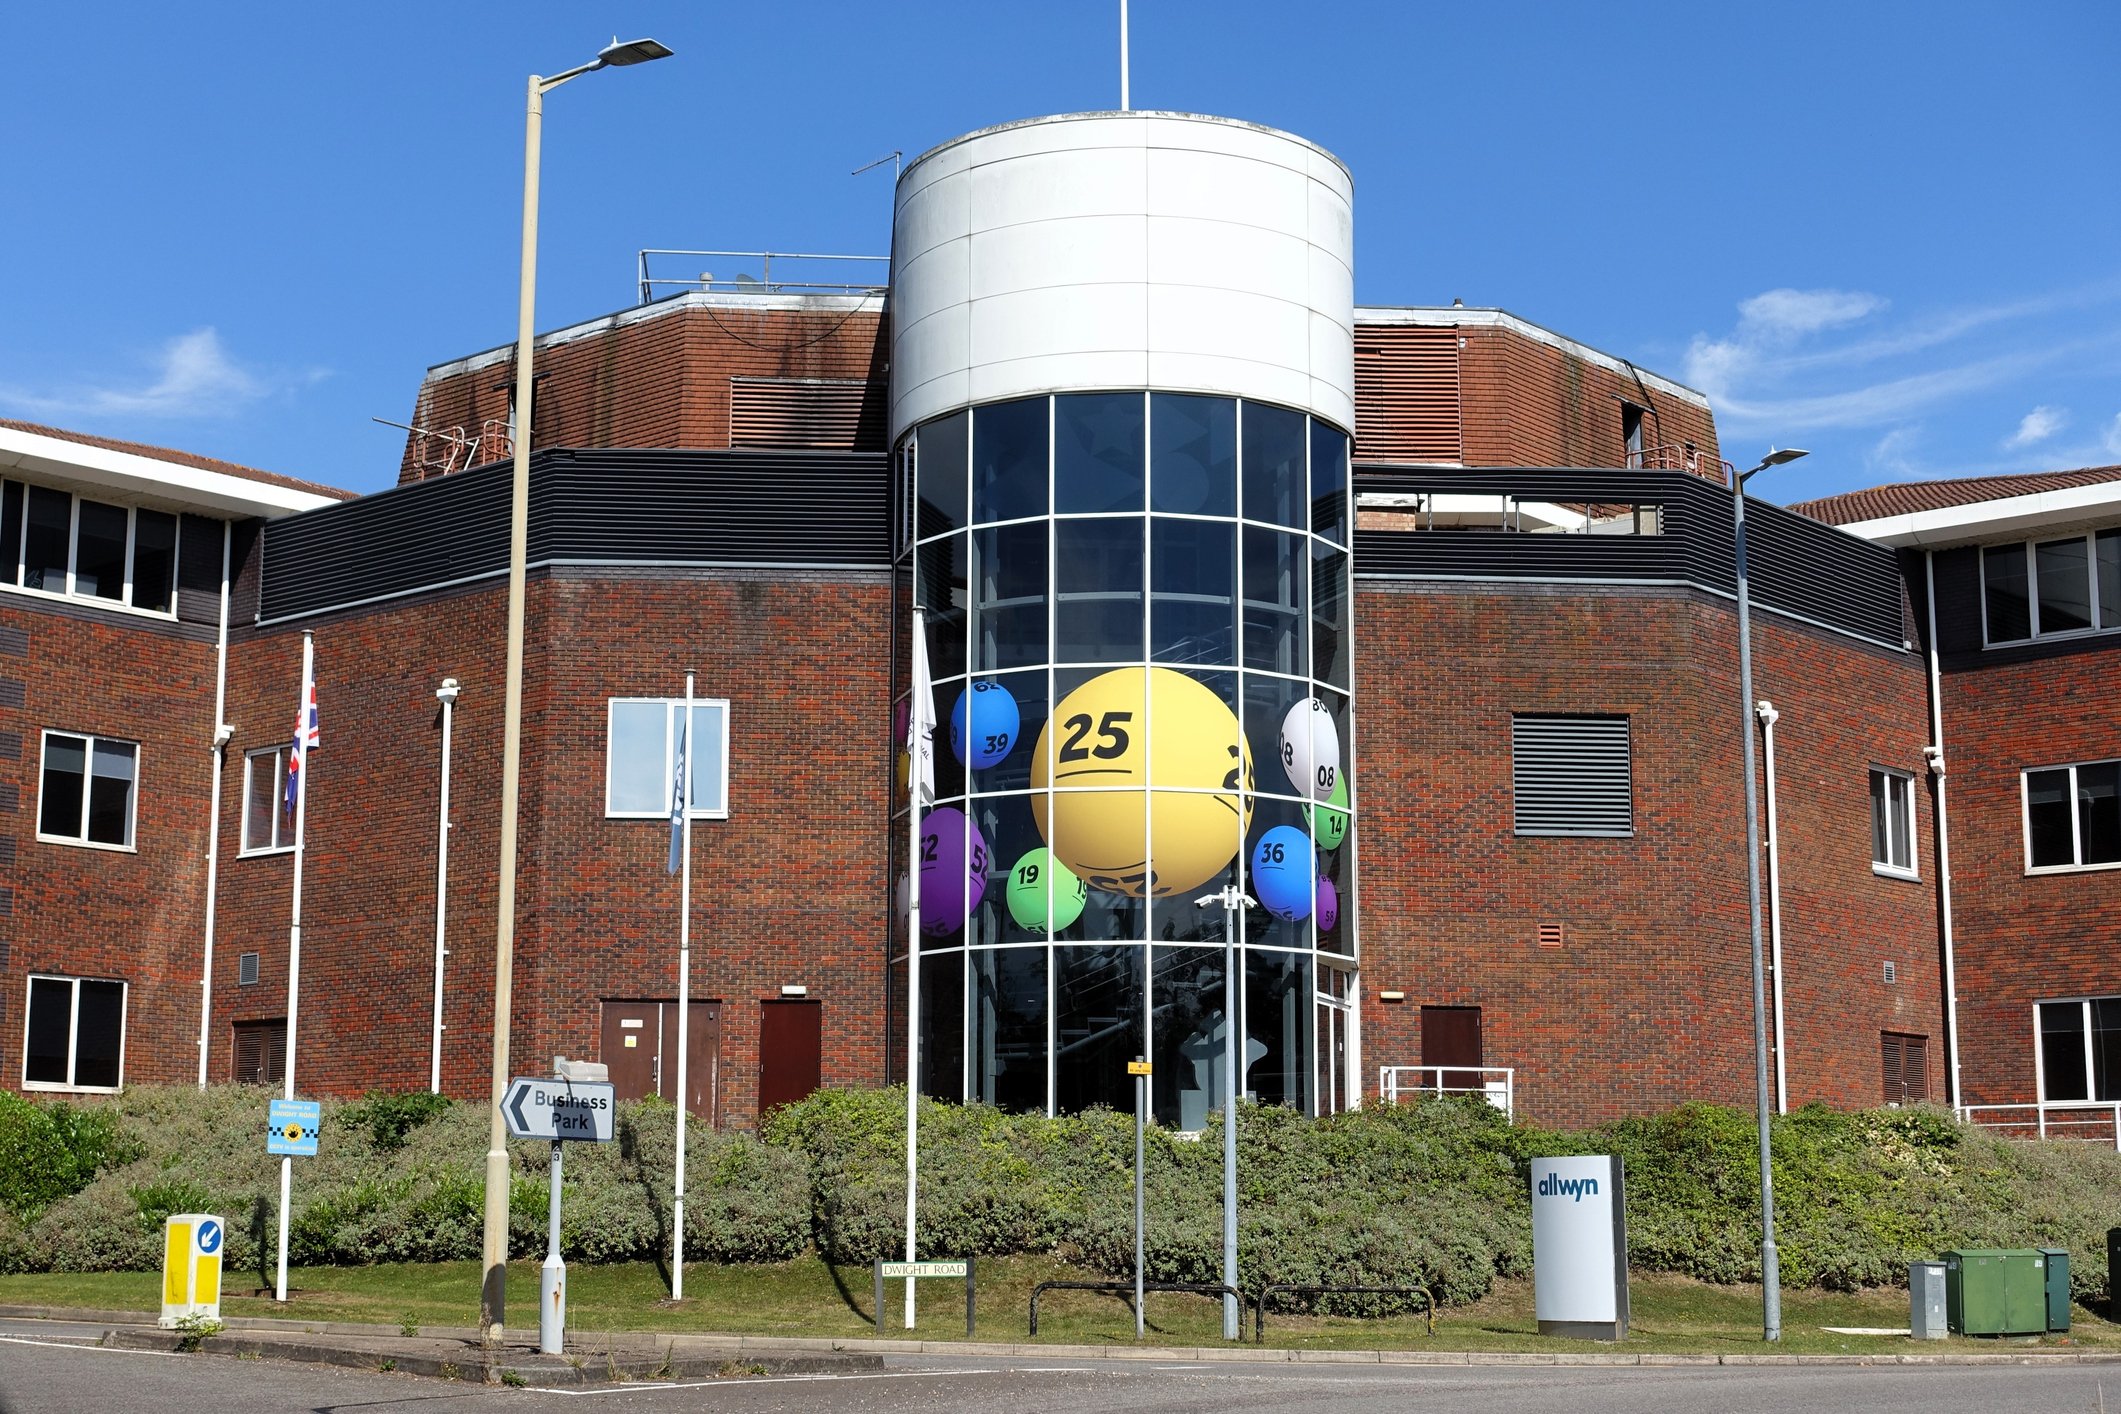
(1121, 395)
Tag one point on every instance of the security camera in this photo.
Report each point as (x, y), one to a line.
(1934, 755)
(447, 692)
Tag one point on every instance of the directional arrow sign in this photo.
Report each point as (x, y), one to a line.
(558, 1109)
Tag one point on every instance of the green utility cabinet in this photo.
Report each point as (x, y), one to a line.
(2057, 1287)
(1995, 1291)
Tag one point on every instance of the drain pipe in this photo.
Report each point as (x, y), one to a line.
(223, 733)
(446, 694)
(1765, 710)
(1934, 755)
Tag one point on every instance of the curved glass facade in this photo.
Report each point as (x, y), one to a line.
(1137, 613)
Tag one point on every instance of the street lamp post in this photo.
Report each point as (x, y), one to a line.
(494, 1289)
(1231, 899)
(1770, 1269)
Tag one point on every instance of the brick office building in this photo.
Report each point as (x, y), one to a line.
(1551, 889)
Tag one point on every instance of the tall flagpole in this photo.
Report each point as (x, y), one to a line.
(1123, 104)
(294, 926)
(920, 780)
(683, 810)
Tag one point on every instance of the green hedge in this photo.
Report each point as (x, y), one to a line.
(1432, 1193)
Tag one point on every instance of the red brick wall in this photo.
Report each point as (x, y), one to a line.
(1649, 1002)
(1528, 403)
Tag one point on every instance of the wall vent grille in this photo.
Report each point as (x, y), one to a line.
(1573, 775)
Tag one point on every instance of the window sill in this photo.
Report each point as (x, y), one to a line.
(2032, 869)
(1887, 871)
(88, 844)
(54, 1086)
(265, 852)
(2063, 636)
(663, 815)
(168, 616)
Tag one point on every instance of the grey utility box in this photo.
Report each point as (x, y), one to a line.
(1925, 1301)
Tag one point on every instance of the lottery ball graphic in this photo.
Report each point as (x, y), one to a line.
(1282, 873)
(1037, 878)
(1329, 822)
(1327, 907)
(1310, 749)
(953, 869)
(983, 725)
(1196, 754)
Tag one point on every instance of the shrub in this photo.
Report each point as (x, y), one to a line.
(50, 1152)
(389, 1117)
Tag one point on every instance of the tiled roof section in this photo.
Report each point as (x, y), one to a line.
(1911, 497)
(191, 459)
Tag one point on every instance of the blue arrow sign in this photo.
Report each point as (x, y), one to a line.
(209, 1237)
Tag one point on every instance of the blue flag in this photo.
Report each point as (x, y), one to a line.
(677, 794)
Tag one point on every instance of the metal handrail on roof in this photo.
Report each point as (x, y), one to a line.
(764, 282)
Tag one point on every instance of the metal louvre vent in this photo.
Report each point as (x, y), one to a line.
(1572, 775)
(804, 413)
(1406, 394)
(247, 970)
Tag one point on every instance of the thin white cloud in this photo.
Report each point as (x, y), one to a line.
(1783, 313)
(2111, 442)
(1893, 454)
(192, 375)
(2038, 425)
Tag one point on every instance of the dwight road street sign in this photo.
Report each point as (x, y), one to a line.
(558, 1109)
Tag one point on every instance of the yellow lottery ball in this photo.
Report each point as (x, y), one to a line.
(1195, 755)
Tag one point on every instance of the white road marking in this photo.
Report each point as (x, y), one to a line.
(733, 1383)
(49, 1342)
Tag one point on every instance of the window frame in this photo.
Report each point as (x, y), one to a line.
(12, 556)
(2031, 550)
(672, 706)
(2091, 1072)
(1908, 816)
(2025, 821)
(90, 741)
(73, 1033)
(245, 849)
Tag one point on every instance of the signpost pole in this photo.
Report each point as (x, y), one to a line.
(1141, 1096)
(552, 1280)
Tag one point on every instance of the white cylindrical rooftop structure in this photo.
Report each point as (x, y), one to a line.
(1123, 250)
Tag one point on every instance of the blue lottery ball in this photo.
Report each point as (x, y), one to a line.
(992, 730)
(1283, 870)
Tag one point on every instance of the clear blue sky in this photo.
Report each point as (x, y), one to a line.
(1887, 232)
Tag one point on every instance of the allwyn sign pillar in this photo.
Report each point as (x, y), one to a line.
(1580, 1247)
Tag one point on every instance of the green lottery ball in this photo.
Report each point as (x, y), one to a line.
(1329, 822)
(1034, 879)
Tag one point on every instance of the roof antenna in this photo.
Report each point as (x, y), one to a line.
(892, 157)
(1123, 106)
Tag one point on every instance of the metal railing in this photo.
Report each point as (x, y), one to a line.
(1681, 458)
(764, 282)
(2088, 1121)
(1497, 1084)
(1196, 1288)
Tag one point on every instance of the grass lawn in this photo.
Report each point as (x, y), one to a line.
(811, 1298)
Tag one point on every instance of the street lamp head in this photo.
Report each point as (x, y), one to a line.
(1787, 454)
(633, 51)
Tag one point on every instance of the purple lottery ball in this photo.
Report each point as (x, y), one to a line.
(953, 869)
(1328, 906)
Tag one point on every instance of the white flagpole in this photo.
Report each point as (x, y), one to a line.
(920, 789)
(1123, 106)
(677, 1248)
(294, 931)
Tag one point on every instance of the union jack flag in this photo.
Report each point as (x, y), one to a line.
(306, 738)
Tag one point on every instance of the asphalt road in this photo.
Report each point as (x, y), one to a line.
(44, 1366)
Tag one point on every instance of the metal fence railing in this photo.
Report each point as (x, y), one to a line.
(1497, 1084)
(2091, 1121)
(751, 272)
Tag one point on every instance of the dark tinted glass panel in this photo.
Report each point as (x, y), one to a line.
(1193, 603)
(941, 472)
(940, 589)
(1097, 1024)
(2099, 812)
(10, 532)
(2003, 582)
(1281, 870)
(895, 1009)
(2048, 827)
(2106, 1048)
(1277, 1026)
(59, 799)
(51, 1016)
(2106, 551)
(1009, 596)
(1003, 765)
(1009, 445)
(99, 554)
(943, 1027)
(1193, 454)
(1881, 826)
(1097, 452)
(1010, 826)
(45, 543)
(99, 1032)
(154, 559)
(1274, 466)
(1276, 567)
(110, 793)
(1331, 655)
(1008, 1032)
(2062, 1050)
(1097, 572)
(2065, 586)
(1191, 1074)
(1329, 482)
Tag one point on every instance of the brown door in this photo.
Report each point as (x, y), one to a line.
(632, 1040)
(640, 1045)
(1450, 1036)
(703, 1059)
(790, 1048)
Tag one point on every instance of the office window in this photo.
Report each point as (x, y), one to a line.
(259, 1055)
(2079, 1048)
(267, 825)
(73, 1034)
(86, 793)
(2051, 588)
(2073, 816)
(60, 543)
(1892, 822)
(641, 762)
(1905, 1067)
(1572, 775)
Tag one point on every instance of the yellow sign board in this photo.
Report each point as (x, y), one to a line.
(1138, 1068)
(192, 1246)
